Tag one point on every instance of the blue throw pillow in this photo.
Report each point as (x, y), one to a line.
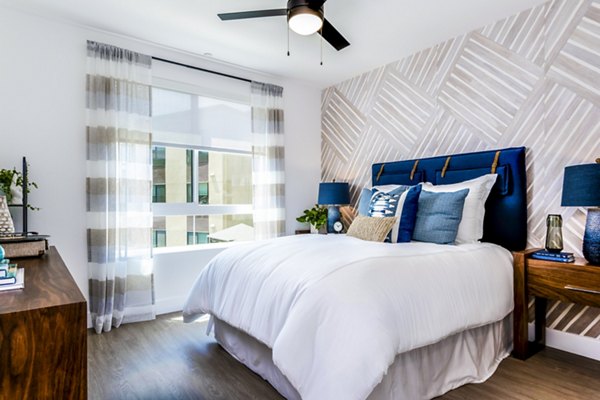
(364, 201)
(438, 216)
(408, 216)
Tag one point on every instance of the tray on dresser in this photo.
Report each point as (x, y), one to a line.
(24, 245)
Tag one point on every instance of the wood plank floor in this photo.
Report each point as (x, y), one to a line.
(167, 359)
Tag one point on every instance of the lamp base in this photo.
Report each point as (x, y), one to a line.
(591, 237)
(333, 215)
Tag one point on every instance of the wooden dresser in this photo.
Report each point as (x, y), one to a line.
(43, 338)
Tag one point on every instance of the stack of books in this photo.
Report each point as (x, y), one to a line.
(11, 277)
(548, 256)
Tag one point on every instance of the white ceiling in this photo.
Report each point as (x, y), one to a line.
(380, 31)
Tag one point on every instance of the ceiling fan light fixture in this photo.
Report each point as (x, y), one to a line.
(304, 20)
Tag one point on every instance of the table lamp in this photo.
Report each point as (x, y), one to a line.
(333, 195)
(581, 188)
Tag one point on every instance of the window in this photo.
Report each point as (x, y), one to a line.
(159, 234)
(202, 168)
(158, 193)
(203, 177)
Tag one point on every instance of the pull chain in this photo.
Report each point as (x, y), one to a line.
(321, 32)
(321, 46)
(288, 40)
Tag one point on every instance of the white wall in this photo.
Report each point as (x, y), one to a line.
(42, 116)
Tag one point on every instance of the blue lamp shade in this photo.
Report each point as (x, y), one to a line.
(581, 188)
(334, 193)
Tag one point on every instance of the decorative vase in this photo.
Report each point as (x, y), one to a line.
(554, 238)
(591, 237)
(6, 222)
(2, 253)
(322, 230)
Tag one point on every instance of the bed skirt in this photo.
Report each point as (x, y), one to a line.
(470, 356)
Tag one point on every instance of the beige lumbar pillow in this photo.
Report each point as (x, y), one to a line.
(374, 229)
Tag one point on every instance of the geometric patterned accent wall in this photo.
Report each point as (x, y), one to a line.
(529, 80)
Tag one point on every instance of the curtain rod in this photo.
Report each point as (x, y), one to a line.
(202, 69)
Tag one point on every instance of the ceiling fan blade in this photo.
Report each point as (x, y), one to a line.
(252, 14)
(334, 38)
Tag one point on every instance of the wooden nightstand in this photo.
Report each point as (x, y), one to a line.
(577, 282)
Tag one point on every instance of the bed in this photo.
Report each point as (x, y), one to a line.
(335, 317)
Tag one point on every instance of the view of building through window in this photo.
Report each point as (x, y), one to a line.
(200, 195)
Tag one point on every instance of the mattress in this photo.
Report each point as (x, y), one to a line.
(336, 310)
(471, 356)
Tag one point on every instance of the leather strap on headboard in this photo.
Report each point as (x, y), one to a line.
(414, 169)
(446, 164)
(380, 172)
(495, 163)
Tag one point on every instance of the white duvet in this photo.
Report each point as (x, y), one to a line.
(336, 310)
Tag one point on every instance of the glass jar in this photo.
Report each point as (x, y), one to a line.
(554, 238)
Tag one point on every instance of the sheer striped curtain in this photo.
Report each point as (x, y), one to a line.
(119, 179)
(268, 174)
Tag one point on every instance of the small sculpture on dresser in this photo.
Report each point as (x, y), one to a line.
(6, 222)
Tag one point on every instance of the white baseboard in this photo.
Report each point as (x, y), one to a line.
(170, 305)
(165, 306)
(582, 345)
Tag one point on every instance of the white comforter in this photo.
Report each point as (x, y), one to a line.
(336, 310)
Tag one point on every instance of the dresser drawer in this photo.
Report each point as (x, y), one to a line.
(569, 283)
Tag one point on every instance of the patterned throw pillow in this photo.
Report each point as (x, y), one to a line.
(385, 205)
(370, 228)
(401, 201)
(366, 194)
(6, 222)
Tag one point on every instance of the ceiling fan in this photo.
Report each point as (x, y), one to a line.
(304, 17)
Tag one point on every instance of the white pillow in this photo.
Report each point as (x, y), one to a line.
(470, 229)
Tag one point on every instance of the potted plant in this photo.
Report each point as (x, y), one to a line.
(316, 217)
(11, 186)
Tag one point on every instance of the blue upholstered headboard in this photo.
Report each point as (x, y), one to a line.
(506, 208)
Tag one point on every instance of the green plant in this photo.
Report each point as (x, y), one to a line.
(316, 216)
(7, 177)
